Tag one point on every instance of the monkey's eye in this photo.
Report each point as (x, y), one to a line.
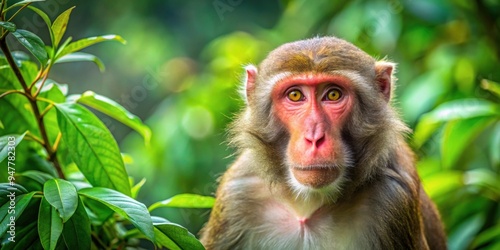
(333, 95)
(295, 95)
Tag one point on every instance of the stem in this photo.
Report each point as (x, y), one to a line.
(2, 6)
(98, 240)
(38, 76)
(6, 93)
(31, 136)
(17, 12)
(56, 143)
(34, 106)
(42, 83)
(47, 109)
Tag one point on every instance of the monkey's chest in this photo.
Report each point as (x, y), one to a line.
(280, 227)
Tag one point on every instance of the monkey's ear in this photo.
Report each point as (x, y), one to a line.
(250, 78)
(383, 71)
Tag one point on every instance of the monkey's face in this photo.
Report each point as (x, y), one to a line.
(313, 108)
(308, 103)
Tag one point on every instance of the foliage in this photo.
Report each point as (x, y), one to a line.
(65, 182)
(466, 184)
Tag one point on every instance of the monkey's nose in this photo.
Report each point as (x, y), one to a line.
(315, 140)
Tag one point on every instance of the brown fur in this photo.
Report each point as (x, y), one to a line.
(381, 192)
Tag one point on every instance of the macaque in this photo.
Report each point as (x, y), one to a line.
(322, 159)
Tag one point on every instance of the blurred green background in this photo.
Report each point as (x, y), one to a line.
(182, 66)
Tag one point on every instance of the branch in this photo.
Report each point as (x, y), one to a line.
(6, 93)
(34, 106)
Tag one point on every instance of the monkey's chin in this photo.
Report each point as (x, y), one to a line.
(315, 177)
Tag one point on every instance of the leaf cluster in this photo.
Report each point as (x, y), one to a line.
(67, 181)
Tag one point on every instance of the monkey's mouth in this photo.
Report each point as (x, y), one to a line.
(315, 176)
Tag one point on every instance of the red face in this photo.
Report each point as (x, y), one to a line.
(313, 108)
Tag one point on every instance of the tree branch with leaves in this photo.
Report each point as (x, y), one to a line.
(69, 182)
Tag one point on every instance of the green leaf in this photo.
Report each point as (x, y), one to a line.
(92, 147)
(8, 144)
(98, 213)
(26, 238)
(86, 42)
(26, 231)
(82, 57)
(8, 26)
(34, 179)
(491, 86)
(21, 3)
(17, 120)
(458, 135)
(55, 92)
(45, 18)
(76, 231)
(173, 236)
(463, 109)
(7, 210)
(8, 80)
(185, 201)
(442, 183)
(483, 178)
(125, 206)
(59, 26)
(421, 94)
(62, 196)
(20, 56)
(37, 176)
(115, 111)
(33, 43)
(487, 237)
(62, 47)
(453, 110)
(495, 145)
(137, 187)
(50, 225)
(17, 115)
(7, 188)
(465, 231)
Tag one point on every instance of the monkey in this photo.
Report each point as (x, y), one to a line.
(322, 159)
